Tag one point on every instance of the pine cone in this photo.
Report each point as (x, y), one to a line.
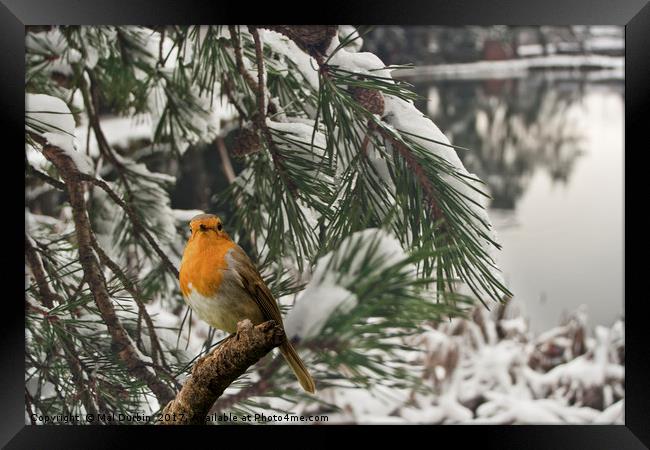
(371, 99)
(247, 141)
(315, 35)
(308, 36)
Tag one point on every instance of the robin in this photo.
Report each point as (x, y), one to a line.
(223, 287)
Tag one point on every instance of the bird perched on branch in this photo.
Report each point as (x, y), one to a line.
(222, 285)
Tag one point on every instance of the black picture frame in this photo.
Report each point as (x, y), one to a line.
(633, 14)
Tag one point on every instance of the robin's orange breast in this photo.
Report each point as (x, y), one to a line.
(203, 263)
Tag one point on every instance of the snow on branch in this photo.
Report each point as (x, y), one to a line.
(369, 117)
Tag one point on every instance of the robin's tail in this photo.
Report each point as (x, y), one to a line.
(298, 367)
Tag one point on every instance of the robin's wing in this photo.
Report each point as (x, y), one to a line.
(254, 285)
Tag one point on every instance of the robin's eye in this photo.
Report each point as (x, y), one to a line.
(219, 227)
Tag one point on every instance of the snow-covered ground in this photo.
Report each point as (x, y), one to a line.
(489, 369)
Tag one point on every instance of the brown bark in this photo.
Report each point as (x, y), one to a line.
(239, 59)
(212, 374)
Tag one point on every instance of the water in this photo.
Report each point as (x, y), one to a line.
(551, 152)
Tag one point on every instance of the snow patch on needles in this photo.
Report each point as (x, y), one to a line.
(359, 62)
(406, 118)
(118, 131)
(327, 292)
(388, 253)
(51, 118)
(317, 303)
(284, 46)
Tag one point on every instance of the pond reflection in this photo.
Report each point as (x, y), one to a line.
(551, 153)
(511, 127)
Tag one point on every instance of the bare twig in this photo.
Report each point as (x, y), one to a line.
(29, 401)
(91, 103)
(260, 119)
(229, 173)
(239, 60)
(46, 178)
(212, 374)
(36, 265)
(259, 56)
(227, 84)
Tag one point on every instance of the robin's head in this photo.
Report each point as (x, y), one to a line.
(207, 225)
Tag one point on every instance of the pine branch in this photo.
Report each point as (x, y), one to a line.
(77, 369)
(418, 171)
(48, 297)
(124, 346)
(335, 165)
(137, 224)
(468, 256)
(156, 348)
(91, 103)
(212, 374)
